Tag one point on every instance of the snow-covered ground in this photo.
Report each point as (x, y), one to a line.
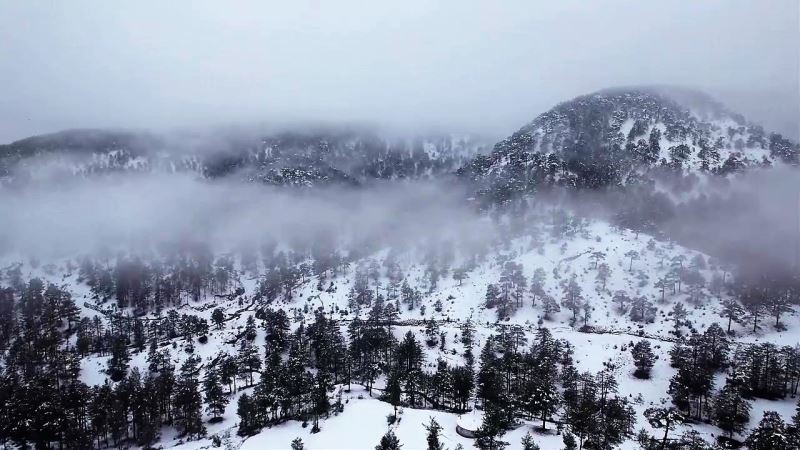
(363, 420)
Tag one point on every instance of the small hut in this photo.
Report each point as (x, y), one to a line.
(468, 424)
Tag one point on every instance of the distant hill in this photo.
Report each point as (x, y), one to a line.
(615, 135)
(298, 157)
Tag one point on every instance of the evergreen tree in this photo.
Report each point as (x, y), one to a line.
(248, 361)
(496, 420)
(621, 299)
(569, 441)
(460, 274)
(771, 434)
(434, 433)
(731, 310)
(492, 297)
(218, 317)
(753, 306)
(188, 402)
(528, 443)
(679, 314)
(778, 304)
(597, 257)
(320, 404)
(643, 359)
(731, 410)
(393, 391)
(214, 395)
(245, 409)
(666, 418)
(642, 310)
(228, 369)
(118, 363)
(573, 297)
(549, 306)
(389, 442)
(537, 284)
(633, 255)
(603, 274)
(489, 378)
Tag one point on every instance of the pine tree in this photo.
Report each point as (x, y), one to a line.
(496, 420)
(796, 417)
(692, 440)
(248, 361)
(393, 391)
(214, 395)
(431, 333)
(596, 258)
(389, 442)
(228, 370)
(149, 418)
(188, 401)
(434, 432)
(632, 254)
(586, 307)
(321, 405)
(754, 307)
(460, 274)
(468, 333)
(543, 397)
(218, 317)
(679, 314)
(603, 274)
(549, 306)
(488, 381)
(463, 384)
(643, 359)
(771, 434)
(297, 444)
(118, 363)
(666, 418)
(778, 304)
(731, 410)
(731, 310)
(245, 409)
(527, 442)
(492, 296)
(250, 331)
(69, 310)
(537, 284)
(621, 299)
(642, 310)
(569, 441)
(662, 284)
(573, 298)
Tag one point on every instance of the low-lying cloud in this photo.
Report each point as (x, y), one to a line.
(131, 211)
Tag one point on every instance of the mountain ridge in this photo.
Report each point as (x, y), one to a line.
(597, 139)
(616, 136)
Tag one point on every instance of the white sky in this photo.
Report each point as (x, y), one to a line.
(467, 65)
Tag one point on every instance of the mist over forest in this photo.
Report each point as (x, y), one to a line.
(341, 225)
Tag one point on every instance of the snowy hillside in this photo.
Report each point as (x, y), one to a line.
(552, 295)
(305, 158)
(627, 136)
(606, 265)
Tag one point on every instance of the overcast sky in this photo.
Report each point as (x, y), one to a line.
(469, 66)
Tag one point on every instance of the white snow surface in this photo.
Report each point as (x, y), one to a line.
(363, 420)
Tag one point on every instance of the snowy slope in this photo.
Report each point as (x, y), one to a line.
(363, 420)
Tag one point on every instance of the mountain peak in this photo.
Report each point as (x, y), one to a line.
(604, 137)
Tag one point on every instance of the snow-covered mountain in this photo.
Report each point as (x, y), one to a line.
(262, 317)
(309, 157)
(617, 135)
